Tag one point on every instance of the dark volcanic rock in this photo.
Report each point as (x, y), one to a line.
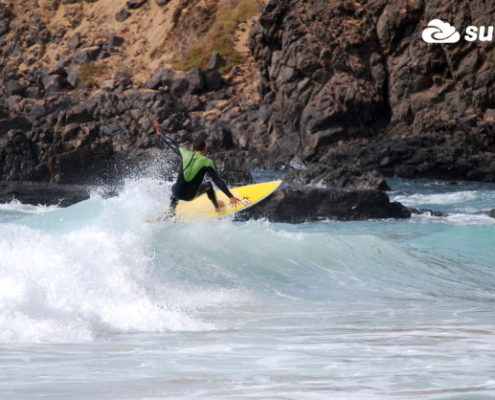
(298, 205)
(5, 15)
(122, 78)
(350, 177)
(54, 83)
(113, 42)
(122, 15)
(346, 82)
(135, 3)
(196, 80)
(180, 84)
(17, 156)
(215, 62)
(43, 193)
(74, 42)
(213, 80)
(13, 88)
(87, 55)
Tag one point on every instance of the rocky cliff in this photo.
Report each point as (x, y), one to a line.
(344, 90)
(351, 83)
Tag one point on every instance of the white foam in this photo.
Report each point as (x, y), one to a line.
(438, 198)
(18, 207)
(455, 219)
(71, 282)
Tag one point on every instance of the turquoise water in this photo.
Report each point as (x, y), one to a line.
(95, 303)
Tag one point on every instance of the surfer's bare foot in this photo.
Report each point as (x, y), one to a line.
(221, 205)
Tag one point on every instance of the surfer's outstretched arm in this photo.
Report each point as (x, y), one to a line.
(222, 186)
(169, 142)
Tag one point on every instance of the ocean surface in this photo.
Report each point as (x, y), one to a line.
(95, 303)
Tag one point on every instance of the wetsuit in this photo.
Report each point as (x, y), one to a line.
(194, 166)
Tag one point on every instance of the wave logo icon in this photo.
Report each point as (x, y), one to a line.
(438, 31)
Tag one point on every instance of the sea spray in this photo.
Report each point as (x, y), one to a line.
(74, 273)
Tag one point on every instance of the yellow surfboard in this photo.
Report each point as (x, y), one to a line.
(202, 208)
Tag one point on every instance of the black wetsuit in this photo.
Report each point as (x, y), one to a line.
(194, 166)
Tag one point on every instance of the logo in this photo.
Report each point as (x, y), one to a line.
(438, 31)
(245, 201)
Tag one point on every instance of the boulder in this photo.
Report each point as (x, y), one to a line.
(13, 87)
(192, 103)
(180, 84)
(196, 79)
(74, 76)
(133, 4)
(122, 78)
(299, 205)
(160, 77)
(78, 114)
(36, 110)
(213, 80)
(155, 80)
(74, 42)
(112, 42)
(87, 55)
(167, 77)
(122, 15)
(58, 71)
(33, 92)
(54, 83)
(64, 62)
(5, 16)
(215, 62)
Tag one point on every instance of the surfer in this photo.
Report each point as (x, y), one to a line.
(194, 166)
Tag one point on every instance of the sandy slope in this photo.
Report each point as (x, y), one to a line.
(151, 37)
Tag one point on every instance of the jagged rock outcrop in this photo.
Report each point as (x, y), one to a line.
(298, 205)
(352, 83)
(43, 193)
(102, 136)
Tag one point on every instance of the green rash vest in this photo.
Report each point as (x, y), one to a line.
(192, 162)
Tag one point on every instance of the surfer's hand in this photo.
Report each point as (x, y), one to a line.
(158, 128)
(234, 201)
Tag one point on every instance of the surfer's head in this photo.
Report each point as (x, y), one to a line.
(199, 145)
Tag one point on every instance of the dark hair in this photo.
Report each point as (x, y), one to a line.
(198, 144)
